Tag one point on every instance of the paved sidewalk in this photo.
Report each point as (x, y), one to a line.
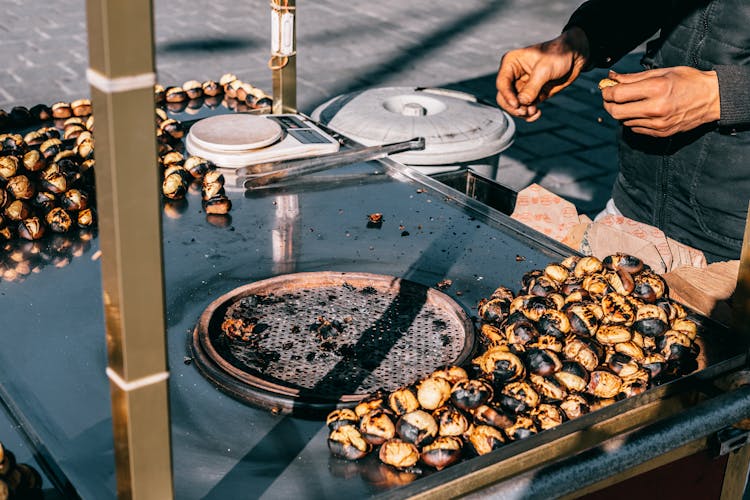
(342, 46)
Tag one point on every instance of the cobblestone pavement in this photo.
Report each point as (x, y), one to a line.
(342, 46)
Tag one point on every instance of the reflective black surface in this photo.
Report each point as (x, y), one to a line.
(53, 358)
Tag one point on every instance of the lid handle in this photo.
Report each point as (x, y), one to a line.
(413, 109)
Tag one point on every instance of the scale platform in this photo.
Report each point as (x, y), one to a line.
(238, 140)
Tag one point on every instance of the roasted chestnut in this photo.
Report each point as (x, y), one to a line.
(86, 218)
(585, 351)
(557, 273)
(554, 322)
(518, 397)
(621, 281)
(629, 263)
(503, 365)
(33, 161)
(548, 416)
(81, 107)
(8, 167)
(493, 310)
(50, 148)
(548, 387)
(587, 266)
(174, 187)
(451, 373)
(674, 345)
(492, 415)
(41, 112)
(31, 228)
(442, 452)
(193, 89)
(227, 78)
(175, 94)
(654, 364)
(541, 286)
(548, 342)
(159, 94)
(632, 388)
(4, 199)
(418, 427)
(522, 428)
(618, 310)
(211, 88)
(631, 349)
(686, 326)
(347, 442)
(433, 392)
(469, 394)
(649, 286)
(493, 334)
(172, 128)
(574, 406)
(484, 439)
(61, 110)
(342, 416)
(596, 285)
(377, 426)
(672, 309)
(403, 400)
(521, 333)
(531, 306)
(213, 177)
(373, 402)
(74, 200)
(613, 334)
(451, 422)
(573, 376)
(17, 210)
(218, 204)
(604, 384)
(59, 220)
(197, 166)
(650, 320)
(542, 362)
(622, 364)
(504, 293)
(21, 187)
(398, 453)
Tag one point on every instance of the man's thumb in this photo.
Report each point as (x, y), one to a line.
(530, 91)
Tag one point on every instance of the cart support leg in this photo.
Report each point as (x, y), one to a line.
(121, 77)
(735, 476)
(283, 61)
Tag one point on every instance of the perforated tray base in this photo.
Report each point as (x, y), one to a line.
(386, 332)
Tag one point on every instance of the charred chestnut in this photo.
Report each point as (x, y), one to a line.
(613, 334)
(554, 322)
(398, 453)
(417, 427)
(618, 310)
(373, 402)
(548, 416)
(175, 94)
(469, 394)
(86, 218)
(504, 293)
(74, 200)
(174, 187)
(59, 220)
(587, 266)
(686, 326)
(573, 376)
(17, 210)
(557, 273)
(451, 422)
(342, 416)
(649, 286)
(542, 362)
(493, 334)
(492, 415)
(604, 384)
(197, 166)
(31, 228)
(574, 406)
(674, 345)
(596, 285)
(173, 128)
(493, 310)
(442, 452)
(403, 401)
(632, 388)
(218, 204)
(650, 320)
(629, 263)
(518, 397)
(548, 387)
(212, 88)
(585, 351)
(621, 281)
(347, 442)
(654, 364)
(433, 392)
(631, 349)
(521, 333)
(622, 364)
(81, 107)
(531, 306)
(193, 89)
(50, 148)
(8, 167)
(522, 428)
(484, 439)
(377, 426)
(61, 110)
(541, 286)
(452, 374)
(21, 188)
(501, 364)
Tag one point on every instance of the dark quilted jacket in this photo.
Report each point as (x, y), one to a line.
(695, 185)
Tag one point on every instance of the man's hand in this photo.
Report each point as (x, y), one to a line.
(530, 75)
(662, 102)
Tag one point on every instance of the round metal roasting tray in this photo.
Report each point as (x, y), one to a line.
(327, 339)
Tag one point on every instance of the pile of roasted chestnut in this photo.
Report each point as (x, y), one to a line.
(580, 334)
(229, 91)
(47, 175)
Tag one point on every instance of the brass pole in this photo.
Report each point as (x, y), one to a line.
(284, 56)
(741, 300)
(121, 77)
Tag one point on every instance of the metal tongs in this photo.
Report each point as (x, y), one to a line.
(258, 176)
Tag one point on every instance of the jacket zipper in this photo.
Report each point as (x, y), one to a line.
(704, 30)
(661, 209)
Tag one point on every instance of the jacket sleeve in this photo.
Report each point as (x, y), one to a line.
(614, 28)
(734, 95)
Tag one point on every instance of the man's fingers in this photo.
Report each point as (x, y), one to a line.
(626, 92)
(535, 115)
(538, 78)
(505, 83)
(636, 77)
(632, 110)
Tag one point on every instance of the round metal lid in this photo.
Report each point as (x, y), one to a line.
(456, 127)
(235, 132)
